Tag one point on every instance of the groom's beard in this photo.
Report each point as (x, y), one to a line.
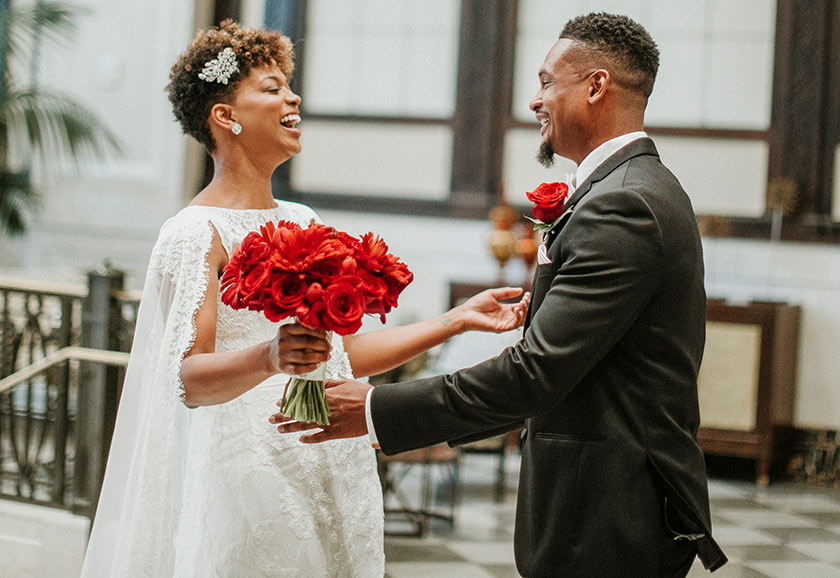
(545, 156)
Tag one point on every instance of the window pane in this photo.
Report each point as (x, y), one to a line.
(708, 167)
(394, 160)
(381, 57)
(716, 68)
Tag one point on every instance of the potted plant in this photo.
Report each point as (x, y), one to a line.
(38, 123)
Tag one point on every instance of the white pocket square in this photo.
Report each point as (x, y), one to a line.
(542, 255)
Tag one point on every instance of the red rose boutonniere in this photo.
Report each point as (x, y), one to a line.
(549, 204)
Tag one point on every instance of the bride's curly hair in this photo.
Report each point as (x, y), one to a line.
(192, 98)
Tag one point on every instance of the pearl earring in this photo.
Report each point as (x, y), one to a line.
(236, 128)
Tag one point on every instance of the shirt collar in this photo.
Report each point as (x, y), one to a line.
(604, 151)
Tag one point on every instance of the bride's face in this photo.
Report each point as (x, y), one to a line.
(268, 111)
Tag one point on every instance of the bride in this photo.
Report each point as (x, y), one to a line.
(198, 482)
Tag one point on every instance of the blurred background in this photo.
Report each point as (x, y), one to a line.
(416, 126)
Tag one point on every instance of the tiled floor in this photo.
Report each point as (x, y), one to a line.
(788, 530)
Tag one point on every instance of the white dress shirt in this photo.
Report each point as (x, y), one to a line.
(604, 151)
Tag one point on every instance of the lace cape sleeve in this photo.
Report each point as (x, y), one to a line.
(135, 523)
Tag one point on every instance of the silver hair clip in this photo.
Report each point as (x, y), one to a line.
(221, 68)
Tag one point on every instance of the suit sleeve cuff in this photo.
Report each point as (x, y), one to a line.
(374, 441)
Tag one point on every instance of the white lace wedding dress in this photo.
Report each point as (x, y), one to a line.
(216, 491)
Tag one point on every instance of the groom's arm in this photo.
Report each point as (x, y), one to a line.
(374, 440)
(609, 263)
(483, 435)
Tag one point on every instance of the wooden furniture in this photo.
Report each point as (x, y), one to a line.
(747, 380)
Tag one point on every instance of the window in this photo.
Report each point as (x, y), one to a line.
(422, 107)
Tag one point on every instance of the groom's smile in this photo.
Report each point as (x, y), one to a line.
(542, 118)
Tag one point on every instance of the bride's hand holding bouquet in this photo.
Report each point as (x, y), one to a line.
(296, 349)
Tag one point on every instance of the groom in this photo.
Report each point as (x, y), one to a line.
(612, 483)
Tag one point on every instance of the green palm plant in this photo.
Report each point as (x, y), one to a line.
(37, 123)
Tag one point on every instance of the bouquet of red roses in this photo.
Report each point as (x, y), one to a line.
(325, 278)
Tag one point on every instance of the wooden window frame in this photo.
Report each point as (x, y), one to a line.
(805, 117)
(477, 133)
(803, 134)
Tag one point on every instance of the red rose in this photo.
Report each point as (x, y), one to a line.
(307, 312)
(397, 277)
(239, 282)
(314, 293)
(255, 246)
(274, 312)
(344, 306)
(349, 267)
(310, 315)
(255, 282)
(323, 270)
(288, 290)
(374, 290)
(549, 201)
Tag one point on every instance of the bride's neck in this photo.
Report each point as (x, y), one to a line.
(237, 187)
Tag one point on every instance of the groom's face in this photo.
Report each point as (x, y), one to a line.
(560, 103)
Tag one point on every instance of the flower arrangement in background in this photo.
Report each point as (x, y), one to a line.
(324, 278)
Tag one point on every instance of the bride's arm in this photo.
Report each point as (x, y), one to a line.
(378, 351)
(211, 377)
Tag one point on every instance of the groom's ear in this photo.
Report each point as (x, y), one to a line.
(598, 83)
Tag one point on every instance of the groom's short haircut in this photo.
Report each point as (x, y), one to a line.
(618, 44)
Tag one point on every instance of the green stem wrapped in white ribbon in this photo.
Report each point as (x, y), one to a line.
(304, 399)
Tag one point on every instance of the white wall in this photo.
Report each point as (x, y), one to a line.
(117, 66)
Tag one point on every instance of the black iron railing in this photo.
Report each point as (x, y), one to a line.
(54, 377)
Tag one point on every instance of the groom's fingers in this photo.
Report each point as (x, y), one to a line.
(324, 433)
(314, 438)
(334, 383)
(288, 425)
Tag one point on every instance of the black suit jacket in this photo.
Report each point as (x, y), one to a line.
(606, 377)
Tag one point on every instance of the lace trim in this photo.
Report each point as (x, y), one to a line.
(182, 263)
(180, 258)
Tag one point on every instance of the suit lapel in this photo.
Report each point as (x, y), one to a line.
(643, 146)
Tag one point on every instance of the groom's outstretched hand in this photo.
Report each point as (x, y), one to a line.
(346, 400)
